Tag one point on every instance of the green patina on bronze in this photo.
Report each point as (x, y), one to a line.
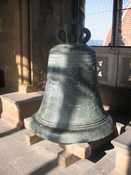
(71, 110)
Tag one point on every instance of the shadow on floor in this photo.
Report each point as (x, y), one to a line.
(99, 153)
(46, 168)
(9, 132)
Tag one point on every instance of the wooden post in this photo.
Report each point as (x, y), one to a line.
(25, 58)
(116, 24)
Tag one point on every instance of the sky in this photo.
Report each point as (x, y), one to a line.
(99, 17)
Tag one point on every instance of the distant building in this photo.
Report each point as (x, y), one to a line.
(125, 29)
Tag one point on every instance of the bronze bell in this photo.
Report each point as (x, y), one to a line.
(71, 110)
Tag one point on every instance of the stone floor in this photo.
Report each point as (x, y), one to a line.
(18, 158)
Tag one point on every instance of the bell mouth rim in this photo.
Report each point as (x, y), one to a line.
(73, 127)
(89, 135)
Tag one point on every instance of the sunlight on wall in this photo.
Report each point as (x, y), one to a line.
(23, 69)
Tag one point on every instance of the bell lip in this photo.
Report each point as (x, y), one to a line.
(89, 135)
(73, 127)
